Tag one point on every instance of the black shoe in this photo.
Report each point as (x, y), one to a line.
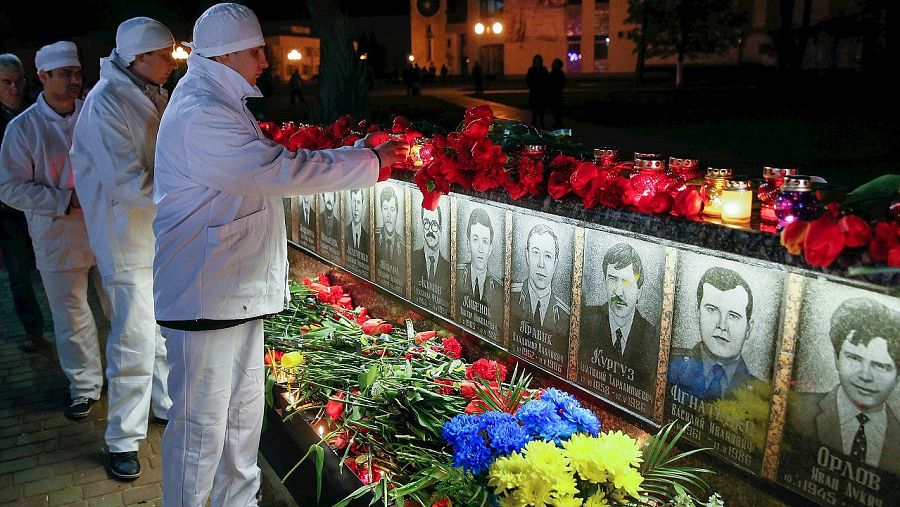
(79, 408)
(124, 465)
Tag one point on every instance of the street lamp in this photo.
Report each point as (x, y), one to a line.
(411, 58)
(479, 28)
(294, 55)
(497, 27)
(180, 53)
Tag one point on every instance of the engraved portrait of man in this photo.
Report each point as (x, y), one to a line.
(328, 218)
(307, 212)
(616, 329)
(390, 237)
(429, 261)
(854, 417)
(474, 278)
(534, 298)
(715, 367)
(356, 232)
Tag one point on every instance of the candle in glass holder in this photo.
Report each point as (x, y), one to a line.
(737, 202)
(711, 191)
(773, 179)
(606, 156)
(649, 178)
(796, 201)
(533, 151)
(425, 150)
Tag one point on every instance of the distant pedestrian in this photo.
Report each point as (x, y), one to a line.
(296, 85)
(444, 72)
(556, 83)
(417, 80)
(477, 78)
(432, 72)
(537, 80)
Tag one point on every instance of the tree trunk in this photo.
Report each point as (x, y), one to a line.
(342, 86)
(679, 70)
(641, 49)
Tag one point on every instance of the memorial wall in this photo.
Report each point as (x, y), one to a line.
(785, 373)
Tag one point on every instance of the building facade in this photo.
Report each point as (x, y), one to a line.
(589, 35)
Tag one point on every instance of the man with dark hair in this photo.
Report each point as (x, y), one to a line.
(616, 329)
(390, 245)
(533, 299)
(356, 234)
(329, 215)
(854, 417)
(429, 262)
(473, 278)
(713, 368)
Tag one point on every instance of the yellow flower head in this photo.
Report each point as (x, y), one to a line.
(597, 500)
(505, 473)
(546, 459)
(618, 452)
(629, 481)
(292, 359)
(567, 501)
(583, 451)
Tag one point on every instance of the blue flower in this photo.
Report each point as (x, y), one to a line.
(459, 427)
(471, 453)
(586, 420)
(504, 433)
(536, 415)
(559, 398)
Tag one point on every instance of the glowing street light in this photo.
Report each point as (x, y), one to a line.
(364, 56)
(411, 58)
(180, 53)
(294, 55)
(479, 28)
(497, 27)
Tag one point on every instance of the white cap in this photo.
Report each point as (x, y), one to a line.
(226, 28)
(57, 55)
(141, 35)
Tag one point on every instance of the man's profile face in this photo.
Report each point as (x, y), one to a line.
(328, 197)
(481, 246)
(249, 63)
(723, 321)
(541, 257)
(356, 205)
(868, 373)
(623, 290)
(431, 225)
(389, 214)
(155, 66)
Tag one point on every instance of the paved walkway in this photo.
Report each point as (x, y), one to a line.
(48, 460)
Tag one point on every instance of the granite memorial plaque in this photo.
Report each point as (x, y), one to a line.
(356, 231)
(306, 218)
(541, 291)
(430, 261)
(841, 443)
(726, 322)
(618, 345)
(480, 268)
(330, 227)
(390, 236)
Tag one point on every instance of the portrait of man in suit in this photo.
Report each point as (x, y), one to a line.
(390, 244)
(854, 418)
(481, 295)
(534, 298)
(307, 212)
(715, 367)
(329, 216)
(616, 330)
(429, 262)
(356, 233)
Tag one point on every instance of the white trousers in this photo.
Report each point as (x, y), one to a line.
(216, 383)
(75, 330)
(136, 367)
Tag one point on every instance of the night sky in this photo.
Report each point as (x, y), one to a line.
(35, 23)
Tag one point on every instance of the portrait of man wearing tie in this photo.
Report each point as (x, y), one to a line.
(616, 331)
(430, 268)
(480, 293)
(356, 231)
(329, 216)
(539, 313)
(307, 220)
(715, 367)
(390, 244)
(854, 418)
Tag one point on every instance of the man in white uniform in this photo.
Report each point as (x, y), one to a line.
(221, 254)
(36, 177)
(112, 158)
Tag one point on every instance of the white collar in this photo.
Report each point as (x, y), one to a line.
(233, 84)
(52, 115)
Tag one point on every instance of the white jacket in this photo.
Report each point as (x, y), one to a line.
(221, 247)
(36, 177)
(112, 158)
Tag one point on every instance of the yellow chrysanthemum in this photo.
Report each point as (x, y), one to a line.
(292, 359)
(505, 473)
(597, 500)
(584, 453)
(618, 452)
(546, 459)
(629, 481)
(567, 501)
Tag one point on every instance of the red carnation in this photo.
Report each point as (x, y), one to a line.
(886, 237)
(582, 178)
(376, 327)
(824, 241)
(486, 369)
(558, 185)
(452, 348)
(335, 407)
(443, 502)
(616, 195)
(424, 336)
(856, 231)
(794, 235)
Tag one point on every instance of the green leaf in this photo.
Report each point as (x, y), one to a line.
(873, 196)
(320, 460)
(270, 396)
(368, 378)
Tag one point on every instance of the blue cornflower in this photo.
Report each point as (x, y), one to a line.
(559, 398)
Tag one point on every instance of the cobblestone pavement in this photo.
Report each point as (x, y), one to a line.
(48, 460)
